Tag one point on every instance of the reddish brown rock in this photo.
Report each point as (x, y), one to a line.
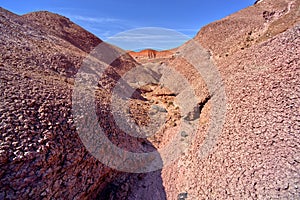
(150, 54)
(256, 156)
(41, 154)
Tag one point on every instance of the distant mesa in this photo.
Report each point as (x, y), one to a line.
(151, 54)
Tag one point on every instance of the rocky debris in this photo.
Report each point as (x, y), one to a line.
(191, 116)
(156, 108)
(182, 196)
(41, 154)
(268, 15)
(138, 186)
(184, 134)
(256, 156)
(271, 18)
(63, 28)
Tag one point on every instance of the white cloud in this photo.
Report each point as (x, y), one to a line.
(93, 19)
(157, 38)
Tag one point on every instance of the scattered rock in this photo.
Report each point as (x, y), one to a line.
(182, 196)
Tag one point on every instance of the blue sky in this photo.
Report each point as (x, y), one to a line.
(108, 18)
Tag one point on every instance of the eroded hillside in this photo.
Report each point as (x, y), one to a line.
(256, 156)
(41, 153)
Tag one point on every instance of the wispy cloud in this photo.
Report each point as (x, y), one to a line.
(94, 19)
(103, 27)
(125, 34)
(157, 38)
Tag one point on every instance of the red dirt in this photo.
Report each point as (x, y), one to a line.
(257, 155)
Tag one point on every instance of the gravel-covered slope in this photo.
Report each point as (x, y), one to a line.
(257, 153)
(41, 155)
(256, 156)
